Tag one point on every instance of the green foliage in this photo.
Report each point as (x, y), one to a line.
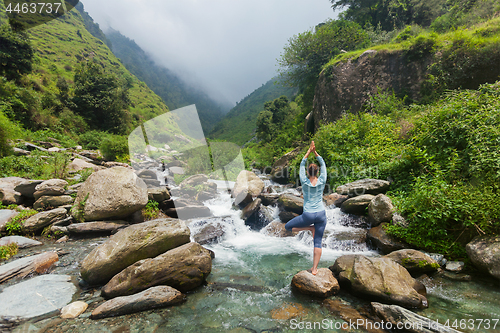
(306, 53)
(78, 209)
(15, 225)
(92, 139)
(7, 251)
(16, 53)
(8, 130)
(115, 148)
(275, 114)
(245, 113)
(101, 99)
(151, 211)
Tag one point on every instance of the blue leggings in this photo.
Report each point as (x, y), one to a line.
(308, 219)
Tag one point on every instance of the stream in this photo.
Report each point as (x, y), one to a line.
(250, 282)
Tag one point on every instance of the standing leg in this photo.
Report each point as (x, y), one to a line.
(319, 226)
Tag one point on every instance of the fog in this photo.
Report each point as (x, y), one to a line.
(227, 48)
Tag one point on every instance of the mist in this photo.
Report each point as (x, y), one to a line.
(226, 48)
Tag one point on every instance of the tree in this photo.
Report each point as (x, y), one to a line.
(306, 53)
(101, 98)
(391, 14)
(272, 118)
(16, 53)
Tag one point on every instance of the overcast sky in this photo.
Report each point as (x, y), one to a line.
(229, 47)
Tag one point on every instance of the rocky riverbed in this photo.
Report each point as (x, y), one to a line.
(227, 261)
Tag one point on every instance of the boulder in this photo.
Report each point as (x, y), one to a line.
(8, 196)
(158, 194)
(379, 278)
(20, 268)
(134, 243)
(91, 228)
(51, 187)
(247, 182)
(27, 188)
(79, 165)
(415, 262)
(357, 205)
(484, 252)
(53, 202)
(152, 298)
(22, 242)
(251, 209)
(188, 212)
(291, 203)
(455, 266)
(364, 186)
(176, 170)
(38, 296)
(335, 199)
(110, 194)
(269, 199)
(277, 229)
(38, 222)
(184, 268)
(287, 216)
(208, 234)
(6, 215)
(351, 315)
(384, 242)
(194, 180)
(380, 210)
(280, 172)
(147, 174)
(323, 284)
(412, 322)
(73, 310)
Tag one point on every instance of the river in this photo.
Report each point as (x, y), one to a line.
(250, 283)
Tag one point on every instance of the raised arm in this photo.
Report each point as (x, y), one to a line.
(302, 169)
(322, 170)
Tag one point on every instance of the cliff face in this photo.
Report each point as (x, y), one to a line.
(346, 86)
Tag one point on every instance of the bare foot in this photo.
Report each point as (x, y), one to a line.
(314, 271)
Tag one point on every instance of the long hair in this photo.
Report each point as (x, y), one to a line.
(312, 170)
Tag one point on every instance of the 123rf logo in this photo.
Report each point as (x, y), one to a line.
(28, 14)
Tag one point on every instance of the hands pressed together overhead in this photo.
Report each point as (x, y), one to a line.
(312, 148)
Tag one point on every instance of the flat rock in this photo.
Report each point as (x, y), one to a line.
(415, 262)
(39, 221)
(113, 193)
(51, 187)
(288, 311)
(103, 227)
(184, 268)
(397, 315)
(208, 234)
(323, 284)
(8, 196)
(189, 212)
(20, 268)
(484, 252)
(79, 165)
(364, 186)
(73, 310)
(27, 188)
(22, 242)
(152, 298)
(335, 199)
(53, 201)
(357, 205)
(134, 243)
(379, 278)
(350, 315)
(38, 296)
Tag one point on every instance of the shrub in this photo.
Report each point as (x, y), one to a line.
(7, 251)
(115, 148)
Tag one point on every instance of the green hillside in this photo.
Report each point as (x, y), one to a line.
(174, 92)
(239, 124)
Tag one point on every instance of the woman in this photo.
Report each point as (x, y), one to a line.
(314, 215)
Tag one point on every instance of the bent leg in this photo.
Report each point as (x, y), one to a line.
(300, 223)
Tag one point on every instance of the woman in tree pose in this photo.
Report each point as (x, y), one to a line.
(314, 215)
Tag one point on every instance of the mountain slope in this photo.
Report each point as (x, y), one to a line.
(61, 45)
(174, 92)
(238, 125)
